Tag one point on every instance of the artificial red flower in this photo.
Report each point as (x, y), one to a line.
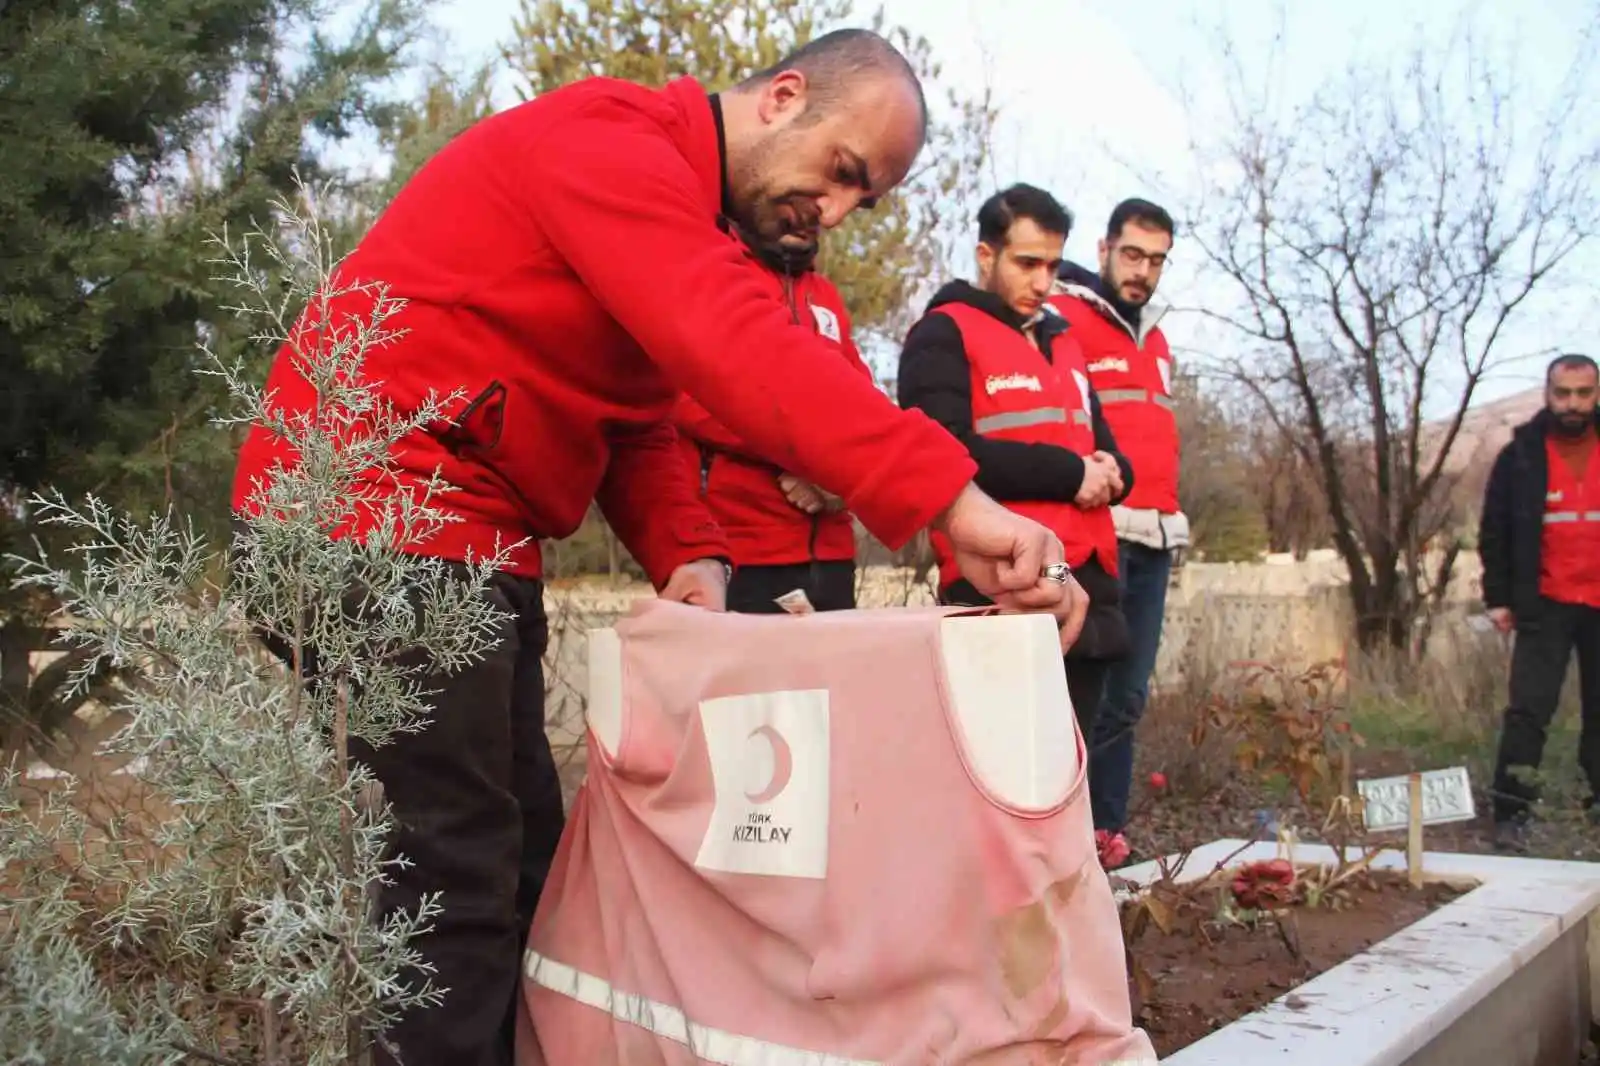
(1262, 885)
(1158, 780)
(1113, 848)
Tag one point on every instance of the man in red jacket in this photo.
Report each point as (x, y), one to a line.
(993, 365)
(1131, 370)
(793, 544)
(518, 250)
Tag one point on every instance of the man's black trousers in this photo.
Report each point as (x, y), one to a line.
(830, 586)
(1544, 647)
(478, 808)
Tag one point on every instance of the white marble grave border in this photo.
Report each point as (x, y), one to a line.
(1384, 1005)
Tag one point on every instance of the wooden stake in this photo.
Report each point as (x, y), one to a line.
(1414, 832)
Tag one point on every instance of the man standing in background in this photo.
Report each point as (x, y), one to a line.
(793, 543)
(993, 365)
(1540, 546)
(1130, 369)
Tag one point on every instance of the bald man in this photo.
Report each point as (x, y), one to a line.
(570, 264)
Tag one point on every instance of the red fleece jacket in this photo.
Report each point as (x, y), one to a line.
(562, 263)
(741, 488)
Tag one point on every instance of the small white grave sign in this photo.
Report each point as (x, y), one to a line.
(1446, 797)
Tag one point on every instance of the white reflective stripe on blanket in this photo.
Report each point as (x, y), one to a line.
(665, 1020)
(662, 1019)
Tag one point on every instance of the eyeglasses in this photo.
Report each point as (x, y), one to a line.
(1134, 256)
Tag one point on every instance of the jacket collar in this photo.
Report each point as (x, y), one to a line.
(1542, 425)
(699, 137)
(1046, 324)
(1080, 283)
(705, 145)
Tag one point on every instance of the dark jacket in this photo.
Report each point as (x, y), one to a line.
(936, 378)
(1512, 526)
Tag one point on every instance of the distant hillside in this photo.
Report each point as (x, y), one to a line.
(1486, 429)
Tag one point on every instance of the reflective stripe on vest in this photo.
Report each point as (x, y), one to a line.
(1571, 516)
(665, 1020)
(1019, 395)
(1111, 396)
(1037, 416)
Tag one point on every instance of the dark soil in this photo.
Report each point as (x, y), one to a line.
(1200, 977)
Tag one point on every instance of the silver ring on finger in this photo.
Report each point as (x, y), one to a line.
(1058, 572)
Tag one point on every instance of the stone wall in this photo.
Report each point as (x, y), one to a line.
(1286, 613)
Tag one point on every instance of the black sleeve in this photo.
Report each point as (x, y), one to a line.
(936, 379)
(1494, 531)
(1106, 441)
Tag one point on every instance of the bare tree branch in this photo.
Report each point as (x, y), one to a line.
(1384, 242)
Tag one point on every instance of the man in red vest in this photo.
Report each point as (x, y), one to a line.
(566, 264)
(793, 544)
(1540, 545)
(1130, 368)
(995, 366)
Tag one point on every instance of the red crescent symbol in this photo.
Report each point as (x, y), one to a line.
(782, 765)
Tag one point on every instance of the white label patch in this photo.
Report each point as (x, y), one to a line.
(1101, 366)
(795, 601)
(1083, 391)
(1005, 382)
(770, 758)
(1552, 497)
(827, 323)
(1165, 366)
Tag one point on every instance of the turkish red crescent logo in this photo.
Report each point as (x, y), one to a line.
(782, 764)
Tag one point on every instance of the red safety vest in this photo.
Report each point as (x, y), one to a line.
(1570, 547)
(1018, 394)
(1134, 383)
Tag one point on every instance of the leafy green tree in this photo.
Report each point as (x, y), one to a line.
(130, 131)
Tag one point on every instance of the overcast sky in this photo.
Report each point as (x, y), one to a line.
(1092, 93)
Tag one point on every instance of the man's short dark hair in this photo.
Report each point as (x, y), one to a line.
(1147, 214)
(1570, 361)
(1001, 211)
(833, 61)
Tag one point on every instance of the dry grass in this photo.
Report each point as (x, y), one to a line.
(1442, 710)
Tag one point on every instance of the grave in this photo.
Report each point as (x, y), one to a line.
(1501, 973)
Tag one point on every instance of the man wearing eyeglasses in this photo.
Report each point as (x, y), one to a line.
(1130, 369)
(1540, 546)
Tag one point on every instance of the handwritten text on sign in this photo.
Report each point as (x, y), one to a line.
(1446, 797)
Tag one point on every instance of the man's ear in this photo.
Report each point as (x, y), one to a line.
(985, 256)
(783, 98)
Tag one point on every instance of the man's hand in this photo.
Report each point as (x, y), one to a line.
(1502, 618)
(1116, 471)
(1004, 555)
(1102, 480)
(804, 496)
(702, 583)
(1072, 613)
